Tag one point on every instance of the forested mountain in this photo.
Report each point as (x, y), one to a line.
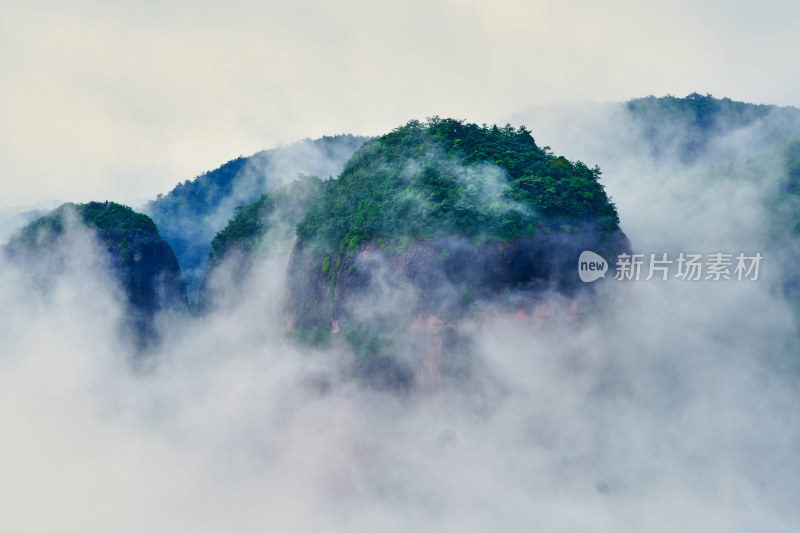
(192, 213)
(425, 223)
(458, 212)
(688, 127)
(432, 221)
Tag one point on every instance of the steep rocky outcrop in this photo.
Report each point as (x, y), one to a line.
(433, 218)
(138, 258)
(442, 277)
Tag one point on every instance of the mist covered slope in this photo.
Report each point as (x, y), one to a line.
(261, 227)
(785, 206)
(691, 131)
(14, 218)
(670, 405)
(139, 260)
(729, 164)
(192, 213)
(688, 127)
(776, 171)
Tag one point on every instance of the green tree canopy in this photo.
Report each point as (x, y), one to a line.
(448, 177)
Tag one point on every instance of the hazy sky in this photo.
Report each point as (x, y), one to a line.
(672, 408)
(122, 102)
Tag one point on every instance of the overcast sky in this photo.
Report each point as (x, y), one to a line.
(122, 102)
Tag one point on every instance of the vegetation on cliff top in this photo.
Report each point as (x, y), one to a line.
(445, 177)
(96, 215)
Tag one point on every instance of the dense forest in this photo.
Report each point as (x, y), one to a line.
(445, 177)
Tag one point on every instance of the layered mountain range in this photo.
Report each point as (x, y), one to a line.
(430, 223)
